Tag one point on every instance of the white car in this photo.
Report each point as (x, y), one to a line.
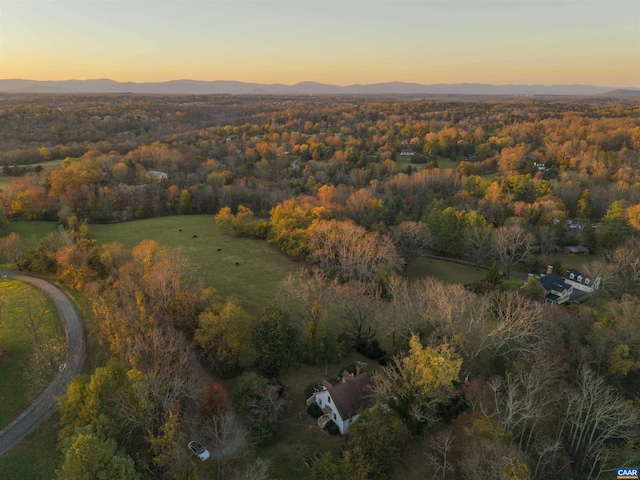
(199, 450)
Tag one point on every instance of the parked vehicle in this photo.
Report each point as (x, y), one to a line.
(199, 450)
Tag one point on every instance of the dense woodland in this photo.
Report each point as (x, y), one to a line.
(484, 379)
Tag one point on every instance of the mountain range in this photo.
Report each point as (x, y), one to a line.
(183, 87)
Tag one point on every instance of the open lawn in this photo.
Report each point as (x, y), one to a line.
(248, 269)
(446, 271)
(579, 262)
(31, 228)
(17, 343)
(403, 163)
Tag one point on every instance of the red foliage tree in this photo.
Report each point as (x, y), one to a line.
(215, 399)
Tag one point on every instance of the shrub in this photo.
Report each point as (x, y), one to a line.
(332, 428)
(215, 399)
(263, 433)
(370, 349)
(309, 389)
(314, 410)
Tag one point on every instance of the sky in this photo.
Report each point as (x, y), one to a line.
(342, 42)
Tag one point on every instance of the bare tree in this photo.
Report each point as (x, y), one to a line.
(595, 417)
(438, 449)
(478, 243)
(305, 295)
(33, 314)
(348, 251)
(360, 305)
(517, 326)
(512, 245)
(412, 240)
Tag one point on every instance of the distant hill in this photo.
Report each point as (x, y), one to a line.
(104, 85)
(619, 92)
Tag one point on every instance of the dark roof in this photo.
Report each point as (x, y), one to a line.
(576, 274)
(552, 297)
(350, 395)
(577, 249)
(553, 281)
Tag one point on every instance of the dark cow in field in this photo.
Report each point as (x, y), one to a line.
(219, 249)
(237, 264)
(195, 236)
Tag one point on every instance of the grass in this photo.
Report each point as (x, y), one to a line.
(254, 281)
(443, 163)
(448, 272)
(17, 345)
(31, 228)
(578, 262)
(36, 457)
(6, 180)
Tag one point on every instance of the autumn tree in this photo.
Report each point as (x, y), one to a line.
(289, 223)
(373, 448)
(417, 384)
(275, 341)
(88, 454)
(222, 332)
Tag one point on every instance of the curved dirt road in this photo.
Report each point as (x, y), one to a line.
(44, 406)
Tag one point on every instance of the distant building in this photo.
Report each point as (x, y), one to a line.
(576, 250)
(541, 166)
(156, 175)
(407, 153)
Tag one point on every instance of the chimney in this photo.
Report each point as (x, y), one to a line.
(357, 370)
(549, 269)
(531, 276)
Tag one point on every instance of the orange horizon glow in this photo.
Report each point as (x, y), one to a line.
(521, 42)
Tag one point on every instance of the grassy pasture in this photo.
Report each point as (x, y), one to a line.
(448, 272)
(31, 228)
(5, 180)
(254, 281)
(16, 345)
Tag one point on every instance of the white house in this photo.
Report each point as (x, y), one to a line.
(582, 282)
(156, 175)
(341, 399)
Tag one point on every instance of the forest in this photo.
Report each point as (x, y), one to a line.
(503, 377)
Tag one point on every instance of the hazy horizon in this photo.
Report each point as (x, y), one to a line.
(519, 42)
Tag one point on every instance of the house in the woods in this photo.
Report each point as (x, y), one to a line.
(576, 250)
(581, 281)
(556, 289)
(342, 399)
(156, 175)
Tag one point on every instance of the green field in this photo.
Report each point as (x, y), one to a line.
(254, 281)
(448, 272)
(31, 228)
(403, 163)
(5, 180)
(16, 344)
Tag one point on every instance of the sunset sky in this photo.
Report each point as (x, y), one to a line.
(331, 41)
